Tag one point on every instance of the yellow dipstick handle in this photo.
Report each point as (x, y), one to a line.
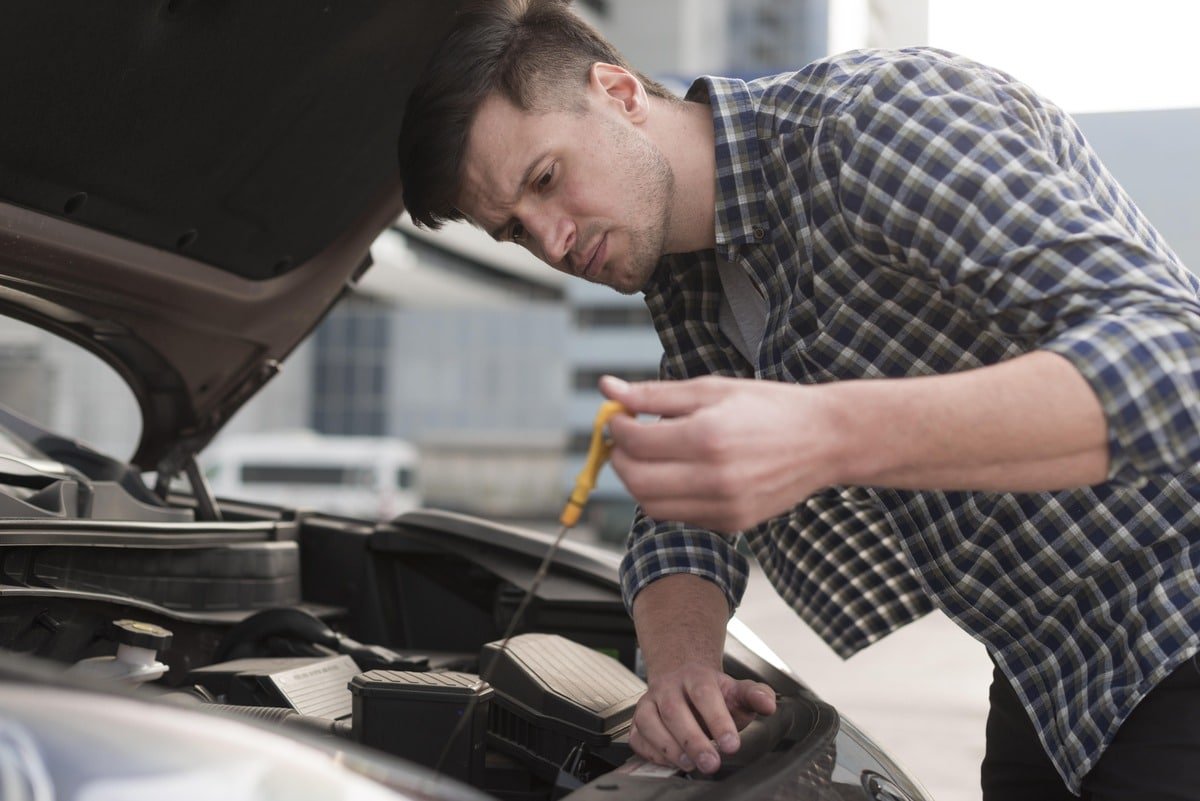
(597, 455)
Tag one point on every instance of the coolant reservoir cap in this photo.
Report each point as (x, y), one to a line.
(139, 634)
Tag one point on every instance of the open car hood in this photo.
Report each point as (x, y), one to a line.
(187, 186)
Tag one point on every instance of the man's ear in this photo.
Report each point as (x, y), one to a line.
(613, 84)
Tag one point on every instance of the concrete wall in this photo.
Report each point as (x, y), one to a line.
(1154, 156)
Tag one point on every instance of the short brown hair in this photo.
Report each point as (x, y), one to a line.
(535, 53)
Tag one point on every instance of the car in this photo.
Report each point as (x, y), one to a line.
(187, 188)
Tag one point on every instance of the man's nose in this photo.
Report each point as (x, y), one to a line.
(555, 235)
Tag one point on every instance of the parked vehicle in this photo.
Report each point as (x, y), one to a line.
(188, 187)
(369, 477)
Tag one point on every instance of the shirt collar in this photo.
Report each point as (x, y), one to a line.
(740, 189)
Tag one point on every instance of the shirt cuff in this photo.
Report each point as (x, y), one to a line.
(1144, 371)
(662, 549)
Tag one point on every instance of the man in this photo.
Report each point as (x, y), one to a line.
(923, 350)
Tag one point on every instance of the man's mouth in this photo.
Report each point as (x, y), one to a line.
(592, 266)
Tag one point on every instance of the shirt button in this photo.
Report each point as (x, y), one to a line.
(759, 233)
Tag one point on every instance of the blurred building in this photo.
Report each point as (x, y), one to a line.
(454, 345)
(770, 36)
(681, 39)
(66, 389)
(665, 37)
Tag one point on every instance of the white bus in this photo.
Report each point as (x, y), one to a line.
(372, 477)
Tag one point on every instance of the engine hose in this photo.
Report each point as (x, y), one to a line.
(283, 620)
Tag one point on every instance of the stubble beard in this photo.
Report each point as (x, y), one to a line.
(652, 182)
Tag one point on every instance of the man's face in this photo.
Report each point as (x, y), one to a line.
(585, 191)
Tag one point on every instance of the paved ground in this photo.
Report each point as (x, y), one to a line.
(920, 693)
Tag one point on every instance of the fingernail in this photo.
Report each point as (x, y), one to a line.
(615, 384)
(686, 763)
(728, 742)
(709, 763)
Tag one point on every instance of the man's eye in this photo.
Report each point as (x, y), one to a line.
(547, 176)
(517, 232)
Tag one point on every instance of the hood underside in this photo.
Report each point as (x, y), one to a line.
(186, 186)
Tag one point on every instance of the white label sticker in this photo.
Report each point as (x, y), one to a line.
(640, 767)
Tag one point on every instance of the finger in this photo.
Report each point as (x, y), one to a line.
(749, 699)
(710, 704)
(668, 479)
(650, 740)
(666, 398)
(691, 437)
(679, 720)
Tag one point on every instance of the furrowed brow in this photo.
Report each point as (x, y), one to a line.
(516, 195)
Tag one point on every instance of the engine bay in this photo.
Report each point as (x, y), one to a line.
(377, 638)
(275, 617)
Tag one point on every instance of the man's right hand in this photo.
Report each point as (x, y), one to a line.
(691, 715)
(691, 711)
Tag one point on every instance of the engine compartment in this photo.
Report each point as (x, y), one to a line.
(278, 618)
(385, 637)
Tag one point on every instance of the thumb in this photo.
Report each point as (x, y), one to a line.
(757, 697)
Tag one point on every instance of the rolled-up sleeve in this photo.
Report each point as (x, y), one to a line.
(658, 549)
(983, 190)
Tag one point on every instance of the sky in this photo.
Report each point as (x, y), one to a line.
(1086, 55)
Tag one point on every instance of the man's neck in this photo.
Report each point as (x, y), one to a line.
(684, 133)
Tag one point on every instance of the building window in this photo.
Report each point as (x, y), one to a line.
(612, 317)
(406, 478)
(579, 443)
(350, 375)
(308, 474)
(586, 380)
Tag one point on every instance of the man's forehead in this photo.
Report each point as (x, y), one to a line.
(494, 160)
(504, 146)
(479, 197)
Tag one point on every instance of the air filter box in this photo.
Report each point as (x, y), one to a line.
(412, 714)
(314, 686)
(553, 695)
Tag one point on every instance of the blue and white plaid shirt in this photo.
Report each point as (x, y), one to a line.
(915, 213)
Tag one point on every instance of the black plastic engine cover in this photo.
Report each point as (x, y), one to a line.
(554, 696)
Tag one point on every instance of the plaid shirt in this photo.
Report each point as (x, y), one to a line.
(915, 213)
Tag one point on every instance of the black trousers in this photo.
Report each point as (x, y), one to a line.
(1155, 755)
